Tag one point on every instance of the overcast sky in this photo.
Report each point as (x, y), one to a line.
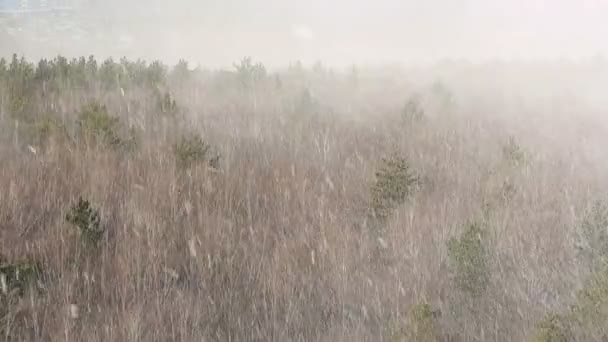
(353, 31)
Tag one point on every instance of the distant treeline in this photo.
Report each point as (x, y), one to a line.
(21, 81)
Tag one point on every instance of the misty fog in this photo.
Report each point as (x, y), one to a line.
(321, 170)
(338, 32)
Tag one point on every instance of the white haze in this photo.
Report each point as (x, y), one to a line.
(338, 32)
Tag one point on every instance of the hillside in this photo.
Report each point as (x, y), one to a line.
(141, 202)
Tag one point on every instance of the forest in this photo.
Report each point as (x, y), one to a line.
(147, 202)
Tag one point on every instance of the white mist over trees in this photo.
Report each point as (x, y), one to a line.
(345, 32)
(249, 170)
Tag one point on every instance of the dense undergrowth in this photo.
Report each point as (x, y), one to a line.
(145, 203)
